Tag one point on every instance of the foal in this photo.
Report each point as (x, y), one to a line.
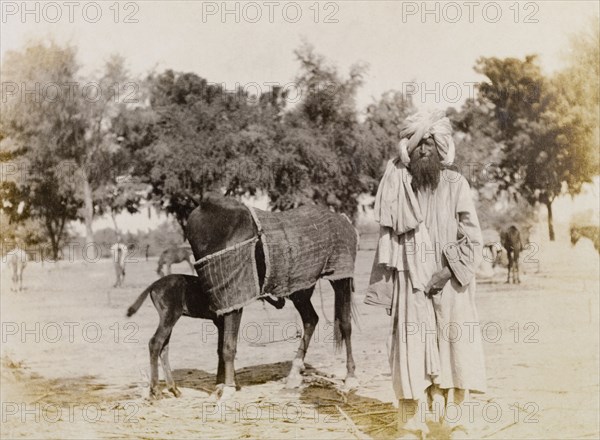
(175, 296)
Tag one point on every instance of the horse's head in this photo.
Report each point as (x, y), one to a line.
(575, 236)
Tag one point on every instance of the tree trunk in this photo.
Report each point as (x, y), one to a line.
(53, 240)
(88, 208)
(113, 216)
(550, 223)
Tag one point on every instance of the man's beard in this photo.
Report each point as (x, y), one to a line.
(425, 172)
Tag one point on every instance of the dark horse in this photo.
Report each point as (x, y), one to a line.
(219, 223)
(174, 255)
(591, 232)
(511, 241)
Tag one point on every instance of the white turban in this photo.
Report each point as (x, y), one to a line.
(422, 125)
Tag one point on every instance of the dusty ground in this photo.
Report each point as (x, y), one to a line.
(74, 367)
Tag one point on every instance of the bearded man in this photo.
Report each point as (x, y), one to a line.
(429, 248)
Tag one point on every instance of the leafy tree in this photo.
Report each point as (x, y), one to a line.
(325, 154)
(42, 125)
(97, 154)
(384, 120)
(66, 120)
(195, 137)
(541, 132)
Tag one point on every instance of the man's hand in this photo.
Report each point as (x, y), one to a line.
(438, 281)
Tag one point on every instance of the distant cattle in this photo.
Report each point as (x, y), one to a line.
(174, 255)
(590, 232)
(511, 241)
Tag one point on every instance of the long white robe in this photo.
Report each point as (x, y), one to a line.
(455, 242)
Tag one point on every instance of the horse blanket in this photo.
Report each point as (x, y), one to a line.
(300, 246)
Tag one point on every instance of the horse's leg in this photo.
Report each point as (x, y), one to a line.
(517, 267)
(221, 367)
(229, 328)
(509, 256)
(310, 319)
(343, 324)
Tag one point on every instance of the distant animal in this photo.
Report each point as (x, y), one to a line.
(174, 255)
(491, 246)
(17, 261)
(511, 241)
(590, 232)
(119, 251)
(243, 253)
(174, 296)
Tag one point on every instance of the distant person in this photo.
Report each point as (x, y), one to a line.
(119, 251)
(17, 260)
(147, 248)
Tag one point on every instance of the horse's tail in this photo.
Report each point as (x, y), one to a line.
(138, 302)
(345, 312)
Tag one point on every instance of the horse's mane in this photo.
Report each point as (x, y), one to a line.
(212, 200)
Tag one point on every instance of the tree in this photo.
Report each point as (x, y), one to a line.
(384, 120)
(42, 122)
(195, 137)
(325, 154)
(542, 133)
(95, 151)
(67, 120)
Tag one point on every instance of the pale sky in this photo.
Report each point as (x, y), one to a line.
(399, 43)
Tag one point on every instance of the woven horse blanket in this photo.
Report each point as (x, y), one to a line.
(300, 246)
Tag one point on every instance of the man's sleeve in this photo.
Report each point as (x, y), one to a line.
(465, 255)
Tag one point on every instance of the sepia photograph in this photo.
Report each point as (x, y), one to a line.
(304, 219)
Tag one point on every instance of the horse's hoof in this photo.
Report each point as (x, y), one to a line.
(459, 433)
(351, 383)
(175, 391)
(155, 394)
(227, 393)
(298, 365)
(293, 381)
(216, 395)
(406, 434)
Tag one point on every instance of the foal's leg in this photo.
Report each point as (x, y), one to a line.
(156, 345)
(517, 269)
(343, 317)
(310, 319)
(510, 264)
(164, 359)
